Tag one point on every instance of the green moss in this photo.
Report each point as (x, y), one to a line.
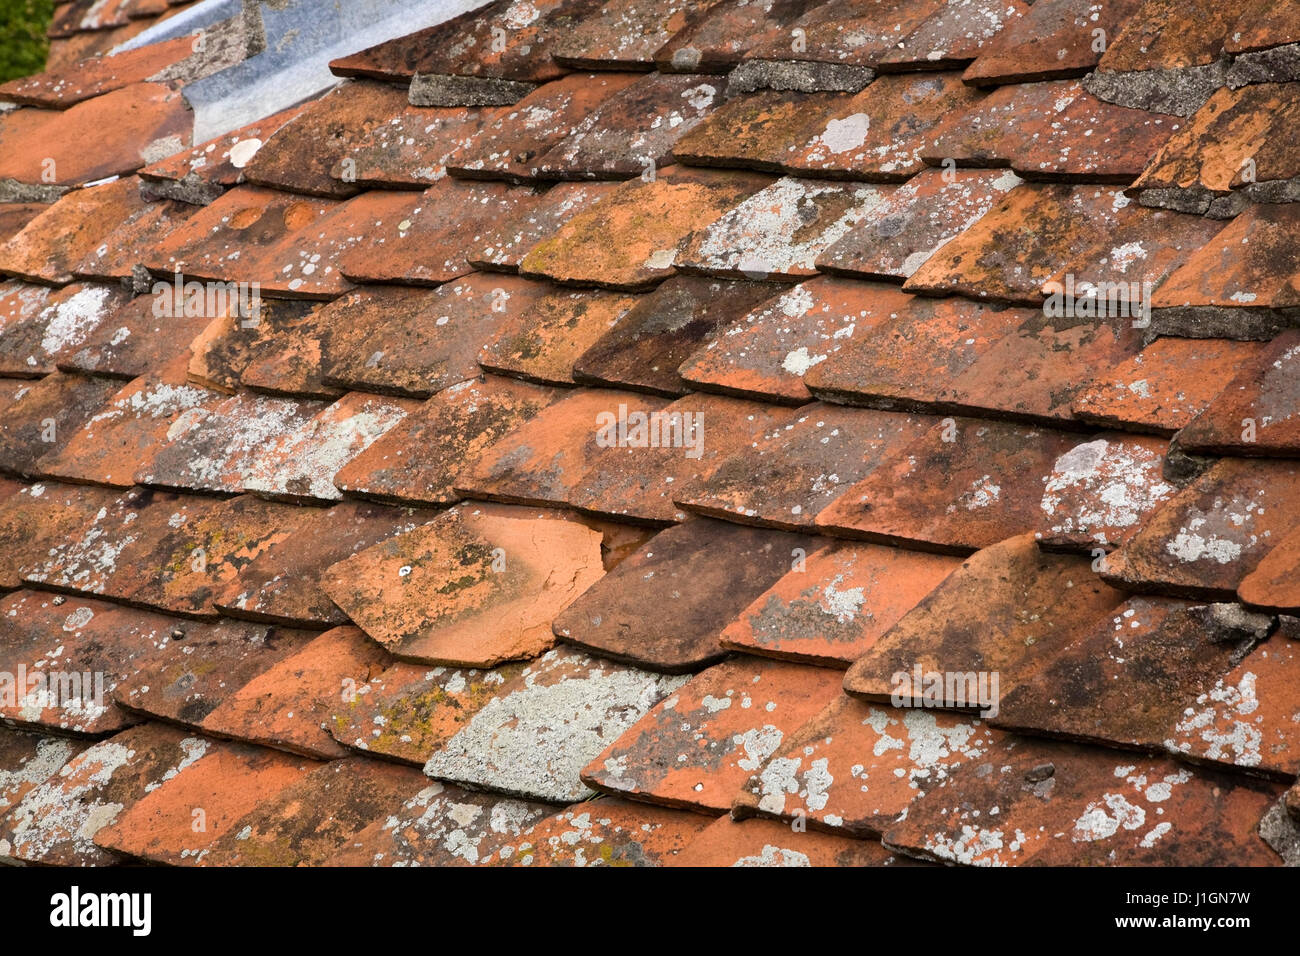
(23, 46)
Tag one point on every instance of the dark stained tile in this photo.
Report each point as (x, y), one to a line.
(803, 464)
(832, 606)
(632, 131)
(1054, 38)
(42, 418)
(657, 609)
(418, 458)
(502, 246)
(1213, 532)
(415, 341)
(442, 825)
(644, 349)
(542, 343)
(20, 302)
(603, 832)
(292, 368)
(631, 238)
(1065, 804)
(625, 34)
(728, 842)
(474, 588)
(1101, 492)
(853, 769)
(696, 748)
(779, 231)
(965, 484)
(282, 585)
(232, 341)
(914, 221)
(1156, 651)
(15, 215)
(544, 725)
(1165, 386)
(1007, 609)
(30, 345)
(410, 711)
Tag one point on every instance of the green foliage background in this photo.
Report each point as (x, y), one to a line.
(22, 36)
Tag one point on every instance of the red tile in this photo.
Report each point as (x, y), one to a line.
(45, 416)
(1005, 611)
(844, 32)
(36, 518)
(30, 760)
(988, 132)
(956, 34)
(758, 130)
(502, 246)
(695, 749)
(132, 342)
(603, 833)
(1170, 35)
(32, 343)
(767, 843)
(473, 588)
(834, 605)
(665, 606)
(716, 41)
(411, 149)
(1272, 585)
(15, 215)
(1263, 25)
(126, 246)
(1054, 38)
(625, 33)
(63, 87)
(231, 341)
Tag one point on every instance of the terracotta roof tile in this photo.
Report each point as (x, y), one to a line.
(1064, 804)
(844, 32)
(546, 724)
(502, 246)
(30, 760)
(1213, 532)
(831, 607)
(149, 123)
(1168, 34)
(603, 832)
(654, 609)
(131, 341)
(955, 34)
(419, 457)
(1263, 25)
(472, 588)
(644, 349)
(632, 131)
(442, 825)
(1054, 38)
(779, 231)
(292, 366)
(37, 517)
(32, 342)
(717, 40)
(410, 711)
(231, 341)
(411, 149)
(1160, 651)
(625, 33)
(698, 746)
(631, 238)
(80, 81)
(768, 843)
(127, 246)
(15, 215)
(45, 416)
(1007, 609)
(854, 768)
(1272, 585)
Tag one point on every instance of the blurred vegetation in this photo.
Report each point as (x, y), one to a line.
(22, 36)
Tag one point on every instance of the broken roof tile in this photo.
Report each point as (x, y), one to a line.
(1005, 610)
(696, 748)
(803, 464)
(729, 842)
(832, 606)
(473, 588)
(644, 349)
(656, 609)
(419, 457)
(625, 33)
(603, 832)
(1213, 532)
(542, 727)
(631, 238)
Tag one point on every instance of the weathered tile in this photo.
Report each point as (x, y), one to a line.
(844, 32)
(956, 34)
(914, 221)
(780, 230)
(853, 769)
(442, 825)
(411, 149)
(1053, 38)
(803, 464)
(292, 368)
(473, 588)
(307, 822)
(1126, 681)
(126, 245)
(625, 33)
(15, 215)
(53, 244)
(56, 822)
(43, 417)
(1274, 584)
(631, 238)
(410, 711)
(632, 131)
(966, 484)
(217, 452)
(643, 351)
(282, 584)
(1213, 532)
(1165, 386)
(232, 341)
(716, 41)
(1258, 412)
(602, 832)
(177, 823)
(94, 76)
(502, 246)
(542, 343)
(38, 517)
(1101, 492)
(657, 609)
(835, 604)
(133, 341)
(542, 727)
(1004, 611)
(988, 132)
(1169, 35)
(1064, 804)
(149, 121)
(696, 748)
(728, 842)
(30, 346)
(1247, 719)
(29, 760)
(419, 457)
